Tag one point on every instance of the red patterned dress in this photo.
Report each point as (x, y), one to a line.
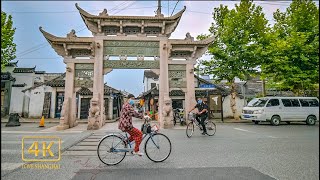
(125, 124)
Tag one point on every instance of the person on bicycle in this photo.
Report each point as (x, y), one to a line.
(125, 123)
(202, 114)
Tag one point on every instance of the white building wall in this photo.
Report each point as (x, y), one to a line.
(16, 102)
(37, 100)
(147, 83)
(227, 112)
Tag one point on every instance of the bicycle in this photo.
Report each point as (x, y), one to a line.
(210, 126)
(178, 115)
(119, 146)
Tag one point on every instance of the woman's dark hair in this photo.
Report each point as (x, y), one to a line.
(130, 96)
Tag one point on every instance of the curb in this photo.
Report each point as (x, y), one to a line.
(56, 121)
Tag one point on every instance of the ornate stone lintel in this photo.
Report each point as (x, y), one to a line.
(123, 58)
(140, 57)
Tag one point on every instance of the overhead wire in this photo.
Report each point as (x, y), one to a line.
(174, 7)
(42, 45)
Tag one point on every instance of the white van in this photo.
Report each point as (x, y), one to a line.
(285, 109)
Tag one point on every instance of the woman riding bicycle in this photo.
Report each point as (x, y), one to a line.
(125, 123)
(202, 114)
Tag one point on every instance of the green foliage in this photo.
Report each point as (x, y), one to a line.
(238, 47)
(292, 56)
(8, 48)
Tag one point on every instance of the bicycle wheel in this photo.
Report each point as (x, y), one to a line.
(157, 147)
(190, 129)
(107, 145)
(211, 128)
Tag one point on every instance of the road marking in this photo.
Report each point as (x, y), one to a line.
(10, 166)
(239, 129)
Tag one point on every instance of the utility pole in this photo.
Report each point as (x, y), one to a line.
(159, 8)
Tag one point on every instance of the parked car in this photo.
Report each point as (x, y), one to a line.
(282, 109)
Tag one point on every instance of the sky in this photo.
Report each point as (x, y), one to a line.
(59, 17)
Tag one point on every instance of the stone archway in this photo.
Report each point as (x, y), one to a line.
(124, 36)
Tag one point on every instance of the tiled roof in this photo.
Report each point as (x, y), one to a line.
(24, 70)
(150, 74)
(39, 72)
(84, 91)
(55, 83)
(19, 85)
(12, 64)
(198, 92)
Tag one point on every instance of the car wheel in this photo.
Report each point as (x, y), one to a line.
(311, 120)
(275, 120)
(256, 122)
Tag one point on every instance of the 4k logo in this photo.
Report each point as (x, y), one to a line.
(32, 146)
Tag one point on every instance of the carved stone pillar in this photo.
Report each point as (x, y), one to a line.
(165, 104)
(96, 112)
(68, 115)
(190, 101)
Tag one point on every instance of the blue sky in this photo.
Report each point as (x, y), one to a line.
(59, 17)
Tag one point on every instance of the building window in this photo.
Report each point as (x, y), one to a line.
(153, 85)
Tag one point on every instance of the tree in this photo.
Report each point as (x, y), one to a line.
(292, 61)
(8, 47)
(239, 44)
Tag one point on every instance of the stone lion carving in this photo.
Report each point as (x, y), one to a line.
(64, 112)
(167, 112)
(94, 110)
(167, 108)
(189, 37)
(72, 34)
(104, 13)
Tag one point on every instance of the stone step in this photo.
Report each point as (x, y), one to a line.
(80, 153)
(91, 140)
(83, 148)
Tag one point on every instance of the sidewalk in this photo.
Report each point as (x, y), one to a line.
(50, 120)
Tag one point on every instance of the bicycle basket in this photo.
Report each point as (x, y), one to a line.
(191, 116)
(146, 128)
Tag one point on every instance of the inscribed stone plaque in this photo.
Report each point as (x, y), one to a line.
(178, 67)
(124, 64)
(88, 83)
(84, 66)
(177, 84)
(131, 48)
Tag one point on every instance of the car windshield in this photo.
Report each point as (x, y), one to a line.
(259, 103)
(252, 102)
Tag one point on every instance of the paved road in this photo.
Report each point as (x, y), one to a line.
(237, 151)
